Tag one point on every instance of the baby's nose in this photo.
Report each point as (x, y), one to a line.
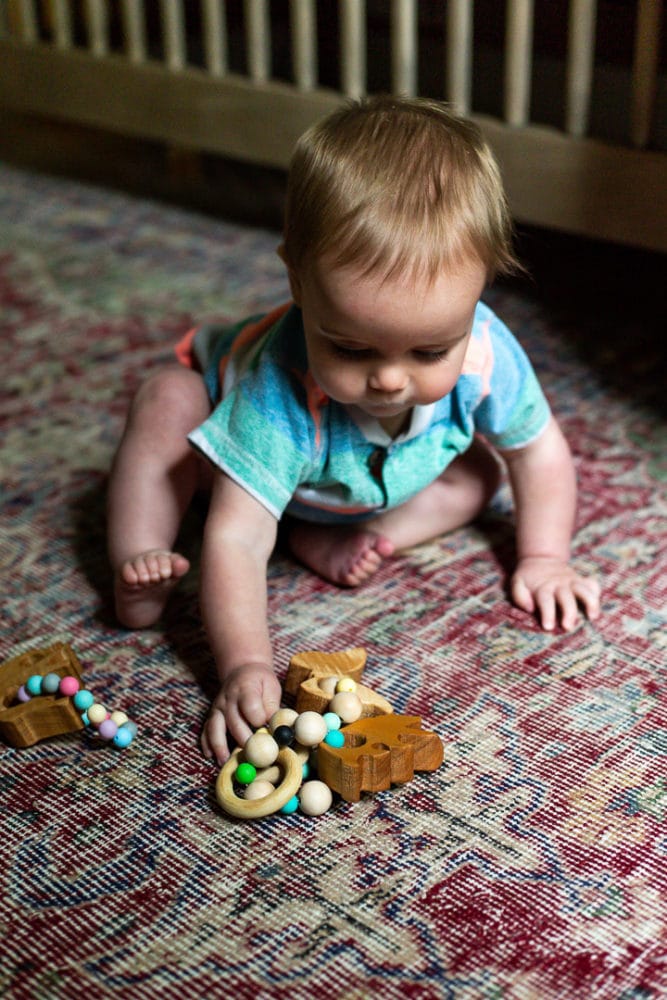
(388, 378)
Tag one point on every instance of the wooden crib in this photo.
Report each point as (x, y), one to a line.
(243, 78)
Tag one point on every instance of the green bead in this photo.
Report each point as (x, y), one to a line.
(245, 774)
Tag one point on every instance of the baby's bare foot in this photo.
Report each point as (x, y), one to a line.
(143, 584)
(346, 556)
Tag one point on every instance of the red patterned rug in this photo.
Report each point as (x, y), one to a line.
(532, 864)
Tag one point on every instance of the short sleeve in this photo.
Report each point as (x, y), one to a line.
(512, 410)
(261, 436)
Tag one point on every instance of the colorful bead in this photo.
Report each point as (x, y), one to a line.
(97, 714)
(120, 718)
(50, 683)
(291, 806)
(332, 720)
(69, 686)
(335, 738)
(123, 737)
(22, 695)
(34, 685)
(245, 773)
(107, 729)
(83, 700)
(346, 684)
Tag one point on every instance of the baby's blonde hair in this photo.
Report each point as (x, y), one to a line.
(396, 186)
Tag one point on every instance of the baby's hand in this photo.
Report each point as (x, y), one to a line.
(550, 586)
(248, 698)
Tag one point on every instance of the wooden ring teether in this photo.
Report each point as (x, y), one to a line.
(292, 771)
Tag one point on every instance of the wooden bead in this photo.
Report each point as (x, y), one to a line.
(283, 717)
(258, 790)
(347, 705)
(310, 729)
(315, 798)
(261, 750)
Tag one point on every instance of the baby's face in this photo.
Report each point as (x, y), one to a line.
(387, 346)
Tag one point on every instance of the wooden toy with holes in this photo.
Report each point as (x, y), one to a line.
(311, 678)
(24, 724)
(378, 752)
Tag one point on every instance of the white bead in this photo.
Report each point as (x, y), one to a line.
(348, 705)
(283, 717)
(328, 684)
(258, 789)
(261, 750)
(315, 798)
(310, 729)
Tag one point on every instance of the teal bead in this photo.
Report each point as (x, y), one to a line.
(34, 684)
(83, 700)
(305, 769)
(335, 738)
(123, 737)
(332, 720)
(50, 683)
(291, 806)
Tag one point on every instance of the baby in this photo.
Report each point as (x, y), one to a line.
(369, 411)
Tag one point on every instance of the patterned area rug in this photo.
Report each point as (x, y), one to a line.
(531, 865)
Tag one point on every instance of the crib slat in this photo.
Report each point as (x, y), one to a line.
(304, 43)
(62, 24)
(579, 68)
(215, 36)
(352, 14)
(258, 40)
(458, 69)
(518, 61)
(134, 30)
(97, 27)
(173, 33)
(645, 70)
(27, 21)
(404, 47)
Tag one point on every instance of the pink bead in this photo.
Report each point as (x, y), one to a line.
(107, 729)
(69, 686)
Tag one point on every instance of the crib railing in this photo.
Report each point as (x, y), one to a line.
(172, 70)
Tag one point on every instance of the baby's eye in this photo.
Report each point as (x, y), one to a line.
(353, 353)
(430, 357)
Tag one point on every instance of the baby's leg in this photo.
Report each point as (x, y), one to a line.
(154, 476)
(349, 555)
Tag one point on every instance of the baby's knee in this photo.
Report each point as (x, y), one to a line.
(173, 395)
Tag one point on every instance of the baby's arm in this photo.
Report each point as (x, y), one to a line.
(544, 486)
(238, 539)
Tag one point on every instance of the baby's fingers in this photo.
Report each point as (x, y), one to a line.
(214, 737)
(587, 591)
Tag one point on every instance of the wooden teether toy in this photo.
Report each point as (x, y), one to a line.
(42, 696)
(377, 753)
(359, 744)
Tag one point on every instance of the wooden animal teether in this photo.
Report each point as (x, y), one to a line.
(314, 663)
(24, 724)
(377, 753)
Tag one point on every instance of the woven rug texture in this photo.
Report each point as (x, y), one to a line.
(531, 866)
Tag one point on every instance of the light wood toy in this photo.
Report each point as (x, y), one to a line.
(315, 664)
(291, 767)
(24, 724)
(378, 752)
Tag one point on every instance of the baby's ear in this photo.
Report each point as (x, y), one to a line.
(295, 285)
